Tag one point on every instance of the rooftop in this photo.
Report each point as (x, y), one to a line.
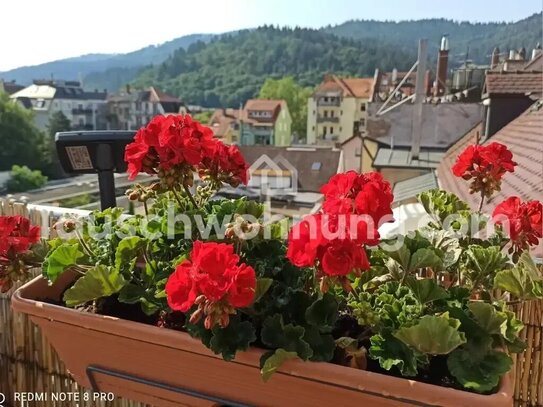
(409, 188)
(442, 124)
(310, 179)
(348, 87)
(263, 105)
(514, 83)
(396, 158)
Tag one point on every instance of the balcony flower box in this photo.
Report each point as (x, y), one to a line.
(175, 360)
(206, 302)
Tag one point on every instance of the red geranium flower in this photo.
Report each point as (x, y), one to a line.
(522, 221)
(485, 165)
(363, 194)
(213, 280)
(16, 235)
(331, 242)
(225, 164)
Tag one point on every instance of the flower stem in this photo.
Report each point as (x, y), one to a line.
(482, 201)
(177, 198)
(189, 194)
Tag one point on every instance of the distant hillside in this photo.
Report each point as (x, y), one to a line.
(481, 38)
(275, 52)
(119, 68)
(230, 69)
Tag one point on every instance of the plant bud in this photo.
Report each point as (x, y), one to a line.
(224, 320)
(208, 322)
(196, 316)
(324, 285)
(200, 299)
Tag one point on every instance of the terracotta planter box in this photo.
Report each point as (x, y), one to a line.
(168, 368)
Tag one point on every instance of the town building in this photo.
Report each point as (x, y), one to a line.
(511, 86)
(225, 124)
(288, 178)
(130, 109)
(10, 87)
(265, 122)
(84, 109)
(337, 110)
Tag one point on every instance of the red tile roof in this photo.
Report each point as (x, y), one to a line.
(349, 87)
(524, 137)
(519, 82)
(263, 105)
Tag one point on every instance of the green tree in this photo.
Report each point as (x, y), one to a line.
(296, 97)
(21, 140)
(24, 179)
(203, 117)
(51, 167)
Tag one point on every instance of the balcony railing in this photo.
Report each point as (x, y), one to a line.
(322, 102)
(82, 111)
(327, 119)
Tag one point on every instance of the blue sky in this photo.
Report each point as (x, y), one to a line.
(38, 31)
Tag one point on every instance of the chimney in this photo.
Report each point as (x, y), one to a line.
(394, 76)
(512, 54)
(495, 61)
(536, 51)
(427, 83)
(442, 66)
(522, 54)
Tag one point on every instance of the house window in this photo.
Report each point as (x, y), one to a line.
(324, 130)
(331, 113)
(362, 122)
(313, 128)
(313, 113)
(40, 103)
(363, 107)
(331, 129)
(316, 166)
(326, 113)
(357, 152)
(341, 113)
(340, 129)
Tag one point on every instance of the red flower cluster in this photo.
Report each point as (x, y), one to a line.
(178, 142)
(362, 194)
(333, 243)
(485, 165)
(521, 220)
(17, 235)
(213, 280)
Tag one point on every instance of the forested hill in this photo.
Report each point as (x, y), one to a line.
(230, 69)
(480, 38)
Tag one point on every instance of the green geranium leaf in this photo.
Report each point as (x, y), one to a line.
(98, 282)
(390, 352)
(262, 287)
(483, 262)
(131, 294)
(426, 290)
(323, 345)
(440, 204)
(271, 361)
(237, 336)
(425, 257)
(289, 337)
(435, 335)
(346, 342)
(523, 281)
(478, 372)
(323, 313)
(402, 256)
(61, 259)
(490, 320)
(128, 251)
